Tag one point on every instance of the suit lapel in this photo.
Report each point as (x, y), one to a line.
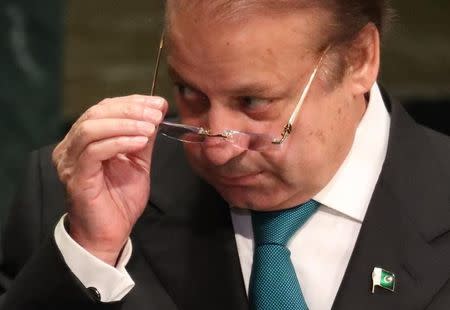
(401, 232)
(186, 236)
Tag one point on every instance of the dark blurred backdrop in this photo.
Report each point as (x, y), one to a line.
(31, 55)
(60, 57)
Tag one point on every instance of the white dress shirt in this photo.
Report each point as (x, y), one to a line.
(321, 249)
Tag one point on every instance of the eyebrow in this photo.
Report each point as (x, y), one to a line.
(175, 76)
(248, 89)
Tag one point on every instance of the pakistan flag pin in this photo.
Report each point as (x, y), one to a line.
(383, 278)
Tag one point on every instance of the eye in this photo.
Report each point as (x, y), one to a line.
(189, 99)
(187, 93)
(254, 104)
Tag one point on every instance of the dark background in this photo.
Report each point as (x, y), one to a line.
(58, 57)
(31, 83)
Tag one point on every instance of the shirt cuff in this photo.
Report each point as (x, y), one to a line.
(113, 283)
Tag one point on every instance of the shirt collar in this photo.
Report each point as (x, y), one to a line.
(350, 190)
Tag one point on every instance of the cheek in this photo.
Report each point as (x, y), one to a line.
(305, 156)
(285, 173)
(193, 155)
(281, 172)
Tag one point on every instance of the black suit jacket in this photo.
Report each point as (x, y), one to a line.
(185, 255)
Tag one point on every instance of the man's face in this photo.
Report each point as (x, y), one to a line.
(248, 76)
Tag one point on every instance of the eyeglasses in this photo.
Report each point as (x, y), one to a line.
(243, 140)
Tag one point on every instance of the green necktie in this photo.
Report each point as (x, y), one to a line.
(273, 282)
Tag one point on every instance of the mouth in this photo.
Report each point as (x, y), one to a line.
(240, 180)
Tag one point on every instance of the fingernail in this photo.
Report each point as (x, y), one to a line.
(158, 101)
(152, 115)
(149, 114)
(147, 128)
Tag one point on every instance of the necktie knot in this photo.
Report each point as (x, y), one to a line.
(277, 227)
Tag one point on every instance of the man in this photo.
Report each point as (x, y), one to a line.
(367, 185)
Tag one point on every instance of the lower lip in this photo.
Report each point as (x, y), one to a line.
(245, 180)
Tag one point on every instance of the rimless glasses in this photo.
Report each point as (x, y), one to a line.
(243, 140)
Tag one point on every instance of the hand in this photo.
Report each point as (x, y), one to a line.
(104, 162)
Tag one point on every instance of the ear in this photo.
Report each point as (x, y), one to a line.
(363, 59)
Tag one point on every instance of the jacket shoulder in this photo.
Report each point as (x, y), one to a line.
(37, 206)
(440, 143)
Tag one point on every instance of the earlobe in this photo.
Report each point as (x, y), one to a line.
(364, 60)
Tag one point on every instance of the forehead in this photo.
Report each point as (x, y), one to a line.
(303, 25)
(255, 46)
(223, 50)
(202, 25)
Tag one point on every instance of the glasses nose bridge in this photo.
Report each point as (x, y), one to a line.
(220, 118)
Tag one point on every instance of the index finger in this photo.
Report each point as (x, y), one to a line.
(136, 107)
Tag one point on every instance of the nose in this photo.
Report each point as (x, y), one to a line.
(218, 150)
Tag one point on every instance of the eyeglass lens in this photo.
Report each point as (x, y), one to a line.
(189, 134)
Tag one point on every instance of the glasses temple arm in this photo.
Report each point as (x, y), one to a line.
(158, 60)
(288, 127)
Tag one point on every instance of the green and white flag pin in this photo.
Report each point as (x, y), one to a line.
(383, 278)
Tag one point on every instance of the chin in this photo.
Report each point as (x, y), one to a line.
(249, 198)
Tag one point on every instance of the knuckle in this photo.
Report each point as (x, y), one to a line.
(70, 149)
(71, 186)
(129, 111)
(129, 125)
(135, 97)
(63, 169)
(105, 101)
(83, 129)
(90, 113)
(56, 154)
(65, 175)
(90, 151)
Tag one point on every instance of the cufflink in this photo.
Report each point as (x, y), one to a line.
(94, 293)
